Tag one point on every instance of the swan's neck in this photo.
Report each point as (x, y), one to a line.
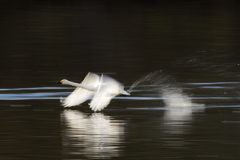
(90, 88)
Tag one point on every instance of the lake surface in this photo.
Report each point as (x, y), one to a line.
(180, 61)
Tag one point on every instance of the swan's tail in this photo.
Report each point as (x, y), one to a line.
(124, 93)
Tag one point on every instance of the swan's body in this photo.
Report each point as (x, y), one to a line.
(102, 88)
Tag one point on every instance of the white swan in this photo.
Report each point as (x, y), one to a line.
(102, 88)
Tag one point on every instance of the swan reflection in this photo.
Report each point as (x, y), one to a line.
(93, 136)
(179, 110)
(178, 117)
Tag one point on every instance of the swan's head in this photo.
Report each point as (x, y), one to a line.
(64, 81)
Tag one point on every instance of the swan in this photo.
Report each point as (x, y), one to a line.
(100, 88)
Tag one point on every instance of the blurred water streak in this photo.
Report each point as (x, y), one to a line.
(179, 59)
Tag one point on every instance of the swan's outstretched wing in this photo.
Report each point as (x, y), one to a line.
(80, 95)
(108, 89)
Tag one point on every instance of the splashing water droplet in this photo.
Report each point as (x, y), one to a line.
(152, 78)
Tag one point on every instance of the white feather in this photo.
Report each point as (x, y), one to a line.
(102, 89)
(108, 89)
(80, 95)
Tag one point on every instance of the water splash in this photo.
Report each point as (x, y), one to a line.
(166, 88)
(175, 97)
(153, 79)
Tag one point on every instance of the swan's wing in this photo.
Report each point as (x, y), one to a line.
(77, 97)
(80, 95)
(100, 101)
(108, 89)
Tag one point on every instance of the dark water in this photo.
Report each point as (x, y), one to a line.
(180, 60)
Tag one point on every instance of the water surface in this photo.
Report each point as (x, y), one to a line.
(180, 61)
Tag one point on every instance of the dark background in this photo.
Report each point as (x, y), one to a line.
(44, 41)
(192, 41)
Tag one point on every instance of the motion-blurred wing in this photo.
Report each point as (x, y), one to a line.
(108, 89)
(80, 95)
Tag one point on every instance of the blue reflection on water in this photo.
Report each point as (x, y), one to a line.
(177, 108)
(33, 88)
(211, 83)
(57, 95)
(32, 96)
(141, 93)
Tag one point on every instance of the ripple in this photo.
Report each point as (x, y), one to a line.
(33, 88)
(211, 83)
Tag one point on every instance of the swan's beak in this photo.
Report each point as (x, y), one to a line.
(60, 82)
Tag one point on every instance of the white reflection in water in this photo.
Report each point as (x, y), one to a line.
(177, 119)
(179, 111)
(93, 136)
(180, 107)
